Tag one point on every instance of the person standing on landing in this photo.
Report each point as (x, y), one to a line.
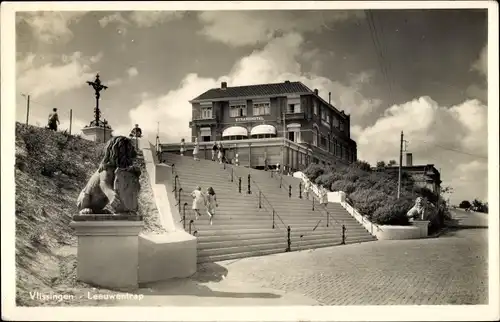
(182, 147)
(196, 149)
(198, 201)
(307, 188)
(211, 203)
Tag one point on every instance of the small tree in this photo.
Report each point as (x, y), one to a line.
(479, 206)
(380, 164)
(465, 204)
(363, 165)
(392, 163)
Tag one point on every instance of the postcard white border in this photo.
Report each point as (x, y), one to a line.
(291, 313)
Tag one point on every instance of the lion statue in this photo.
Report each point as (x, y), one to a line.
(419, 210)
(115, 184)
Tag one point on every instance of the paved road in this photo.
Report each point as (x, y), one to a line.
(451, 269)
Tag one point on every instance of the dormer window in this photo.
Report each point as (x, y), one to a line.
(293, 105)
(206, 111)
(237, 109)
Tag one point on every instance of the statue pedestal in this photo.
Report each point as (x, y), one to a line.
(423, 225)
(108, 250)
(98, 134)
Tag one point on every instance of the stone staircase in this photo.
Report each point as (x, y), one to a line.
(243, 225)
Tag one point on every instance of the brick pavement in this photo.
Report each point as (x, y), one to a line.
(451, 269)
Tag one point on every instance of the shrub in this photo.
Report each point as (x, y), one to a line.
(393, 212)
(465, 204)
(362, 165)
(343, 185)
(313, 171)
(368, 200)
(327, 179)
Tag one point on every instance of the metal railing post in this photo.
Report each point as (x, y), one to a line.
(281, 180)
(327, 219)
(289, 239)
(343, 234)
(300, 190)
(175, 183)
(273, 219)
(290, 191)
(239, 184)
(180, 189)
(232, 175)
(260, 202)
(190, 225)
(313, 203)
(184, 215)
(173, 165)
(249, 191)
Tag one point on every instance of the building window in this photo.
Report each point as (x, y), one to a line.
(206, 113)
(294, 132)
(325, 117)
(206, 134)
(263, 108)
(315, 107)
(335, 121)
(341, 126)
(315, 136)
(237, 110)
(323, 142)
(234, 137)
(293, 105)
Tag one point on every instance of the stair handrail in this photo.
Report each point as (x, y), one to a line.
(177, 194)
(274, 212)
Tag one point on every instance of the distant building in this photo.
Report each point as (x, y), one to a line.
(425, 176)
(284, 123)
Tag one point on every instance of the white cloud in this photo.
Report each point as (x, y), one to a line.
(145, 19)
(49, 26)
(51, 78)
(132, 72)
(114, 18)
(241, 28)
(276, 62)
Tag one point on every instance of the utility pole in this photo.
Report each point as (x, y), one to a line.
(27, 107)
(70, 120)
(400, 164)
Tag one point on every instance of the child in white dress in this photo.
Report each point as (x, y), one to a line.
(198, 201)
(211, 203)
(196, 149)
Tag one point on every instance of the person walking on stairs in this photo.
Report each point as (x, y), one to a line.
(198, 201)
(307, 188)
(220, 155)
(323, 196)
(211, 203)
(196, 149)
(214, 150)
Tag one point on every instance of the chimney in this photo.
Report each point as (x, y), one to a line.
(409, 159)
(316, 91)
(330, 98)
(223, 85)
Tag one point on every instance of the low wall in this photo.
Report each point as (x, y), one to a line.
(398, 232)
(172, 254)
(382, 232)
(166, 256)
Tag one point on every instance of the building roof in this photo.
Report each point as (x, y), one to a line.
(254, 90)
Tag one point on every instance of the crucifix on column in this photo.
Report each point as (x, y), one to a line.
(98, 87)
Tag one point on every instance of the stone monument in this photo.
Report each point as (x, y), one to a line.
(108, 225)
(417, 216)
(98, 130)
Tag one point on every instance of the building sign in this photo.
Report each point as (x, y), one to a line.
(250, 119)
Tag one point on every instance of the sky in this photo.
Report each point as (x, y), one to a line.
(423, 72)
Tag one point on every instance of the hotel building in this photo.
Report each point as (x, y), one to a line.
(285, 123)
